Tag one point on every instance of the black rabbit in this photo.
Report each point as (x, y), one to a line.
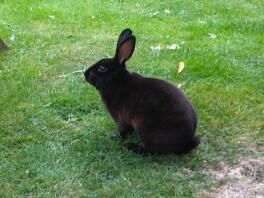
(158, 111)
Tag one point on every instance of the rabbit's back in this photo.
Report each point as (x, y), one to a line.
(149, 99)
(161, 100)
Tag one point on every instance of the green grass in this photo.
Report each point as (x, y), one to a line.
(53, 130)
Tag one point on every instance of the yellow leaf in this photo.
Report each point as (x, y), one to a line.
(180, 67)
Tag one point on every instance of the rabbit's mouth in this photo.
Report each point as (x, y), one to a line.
(91, 79)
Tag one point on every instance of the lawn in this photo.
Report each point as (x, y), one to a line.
(54, 128)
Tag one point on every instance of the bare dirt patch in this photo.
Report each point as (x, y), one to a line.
(245, 180)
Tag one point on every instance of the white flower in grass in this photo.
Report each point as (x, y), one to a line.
(211, 35)
(173, 47)
(155, 13)
(202, 22)
(183, 12)
(156, 47)
(12, 37)
(52, 16)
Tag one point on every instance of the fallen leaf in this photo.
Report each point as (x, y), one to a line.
(180, 67)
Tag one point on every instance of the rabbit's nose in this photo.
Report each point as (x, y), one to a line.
(86, 73)
(89, 76)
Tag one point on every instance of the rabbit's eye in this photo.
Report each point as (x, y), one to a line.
(102, 69)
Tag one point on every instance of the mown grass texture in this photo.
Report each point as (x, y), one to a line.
(53, 130)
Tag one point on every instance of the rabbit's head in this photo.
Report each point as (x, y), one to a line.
(102, 72)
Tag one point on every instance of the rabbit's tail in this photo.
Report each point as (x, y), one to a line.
(190, 145)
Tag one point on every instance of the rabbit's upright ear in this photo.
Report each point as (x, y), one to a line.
(124, 35)
(125, 50)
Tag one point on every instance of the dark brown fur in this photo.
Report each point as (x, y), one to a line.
(161, 114)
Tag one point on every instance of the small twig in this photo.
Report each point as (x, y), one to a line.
(180, 85)
(65, 75)
(126, 179)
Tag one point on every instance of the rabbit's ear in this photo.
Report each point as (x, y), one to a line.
(125, 50)
(124, 35)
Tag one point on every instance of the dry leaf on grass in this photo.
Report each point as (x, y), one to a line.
(180, 67)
